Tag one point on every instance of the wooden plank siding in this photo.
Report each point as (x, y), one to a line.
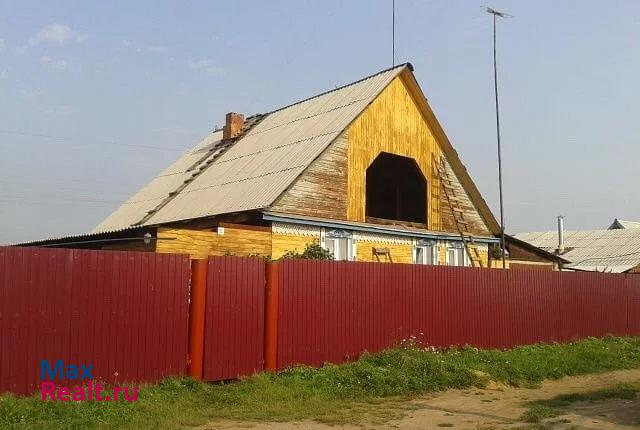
(321, 191)
(237, 240)
(281, 243)
(392, 124)
(398, 253)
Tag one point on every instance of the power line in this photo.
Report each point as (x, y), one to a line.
(52, 198)
(85, 141)
(41, 187)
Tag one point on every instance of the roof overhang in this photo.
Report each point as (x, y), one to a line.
(369, 228)
(128, 234)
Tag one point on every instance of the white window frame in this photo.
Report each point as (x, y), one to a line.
(332, 234)
(425, 244)
(465, 258)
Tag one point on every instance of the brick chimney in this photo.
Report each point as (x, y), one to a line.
(233, 125)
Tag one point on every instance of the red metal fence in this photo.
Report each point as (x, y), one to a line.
(234, 320)
(125, 313)
(332, 312)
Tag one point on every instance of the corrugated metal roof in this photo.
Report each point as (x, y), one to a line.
(619, 223)
(603, 250)
(259, 167)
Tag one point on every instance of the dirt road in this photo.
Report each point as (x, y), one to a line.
(497, 408)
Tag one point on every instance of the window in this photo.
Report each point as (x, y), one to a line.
(456, 255)
(340, 244)
(425, 252)
(396, 189)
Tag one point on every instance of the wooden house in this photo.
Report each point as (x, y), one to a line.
(364, 170)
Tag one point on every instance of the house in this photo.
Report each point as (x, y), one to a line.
(525, 256)
(615, 250)
(365, 170)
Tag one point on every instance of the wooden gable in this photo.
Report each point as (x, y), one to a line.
(333, 186)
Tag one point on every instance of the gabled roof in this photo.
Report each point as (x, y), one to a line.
(255, 171)
(603, 250)
(621, 224)
(216, 178)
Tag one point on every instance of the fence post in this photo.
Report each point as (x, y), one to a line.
(196, 317)
(271, 318)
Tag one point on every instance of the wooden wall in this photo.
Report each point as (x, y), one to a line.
(281, 243)
(393, 124)
(321, 191)
(398, 253)
(237, 240)
(333, 186)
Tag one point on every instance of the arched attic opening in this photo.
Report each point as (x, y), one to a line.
(396, 189)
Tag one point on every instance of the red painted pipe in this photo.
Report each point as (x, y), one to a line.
(196, 317)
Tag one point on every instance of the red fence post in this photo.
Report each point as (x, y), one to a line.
(271, 318)
(196, 317)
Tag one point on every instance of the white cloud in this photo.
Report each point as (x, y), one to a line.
(56, 33)
(2, 44)
(4, 73)
(47, 61)
(207, 67)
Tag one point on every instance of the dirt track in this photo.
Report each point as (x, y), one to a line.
(498, 407)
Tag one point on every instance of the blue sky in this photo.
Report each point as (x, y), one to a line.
(97, 97)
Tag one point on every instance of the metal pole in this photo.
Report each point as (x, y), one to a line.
(393, 33)
(495, 83)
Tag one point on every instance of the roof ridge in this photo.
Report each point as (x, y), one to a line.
(399, 66)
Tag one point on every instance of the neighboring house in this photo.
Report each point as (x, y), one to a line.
(614, 250)
(523, 255)
(365, 170)
(621, 224)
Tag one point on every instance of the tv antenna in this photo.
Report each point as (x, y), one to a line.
(497, 14)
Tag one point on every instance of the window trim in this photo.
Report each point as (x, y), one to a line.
(339, 234)
(465, 257)
(424, 244)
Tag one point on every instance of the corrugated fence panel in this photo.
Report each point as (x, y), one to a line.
(125, 313)
(334, 311)
(234, 319)
(633, 311)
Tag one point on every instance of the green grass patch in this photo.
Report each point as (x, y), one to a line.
(544, 409)
(368, 390)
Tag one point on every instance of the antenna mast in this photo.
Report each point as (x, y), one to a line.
(497, 14)
(393, 33)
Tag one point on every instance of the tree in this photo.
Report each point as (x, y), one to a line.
(312, 251)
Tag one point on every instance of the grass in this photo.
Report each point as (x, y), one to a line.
(371, 389)
(543, 409)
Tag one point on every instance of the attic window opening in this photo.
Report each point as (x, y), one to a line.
(396, 189)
